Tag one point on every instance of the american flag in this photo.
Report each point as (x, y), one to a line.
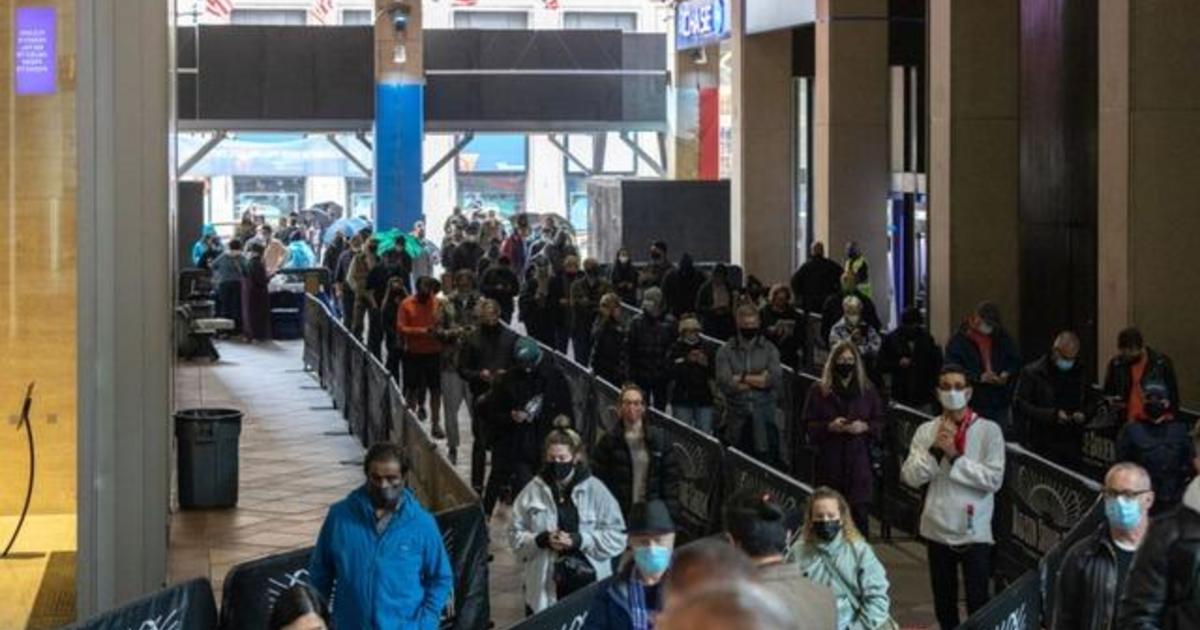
(320, 11)
(219, 8)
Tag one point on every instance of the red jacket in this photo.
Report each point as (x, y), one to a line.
(416, 321)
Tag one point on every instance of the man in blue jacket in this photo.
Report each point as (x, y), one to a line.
(382, 553)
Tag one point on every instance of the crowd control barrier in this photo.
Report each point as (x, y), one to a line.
(568, 614)
(251, 588)
(187, 606)
(373, 406)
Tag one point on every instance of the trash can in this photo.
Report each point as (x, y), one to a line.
(207, 443)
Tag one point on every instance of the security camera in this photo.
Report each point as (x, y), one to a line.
(399, 12)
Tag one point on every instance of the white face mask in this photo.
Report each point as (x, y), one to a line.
(954, 400)
(986, 328)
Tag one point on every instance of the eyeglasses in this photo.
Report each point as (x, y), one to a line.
(1112, 493)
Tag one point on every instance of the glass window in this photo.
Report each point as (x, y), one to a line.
(599, 20)
(503, 193)
(360, 197)
(269, 17)
(619, 158)
(357, 17)
(494, 20)
(495, 153)
(272, 197)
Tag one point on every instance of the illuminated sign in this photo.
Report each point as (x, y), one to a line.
(35, 61)
(701, 22)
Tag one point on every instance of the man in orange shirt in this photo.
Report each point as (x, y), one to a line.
(1137, 366)
(417, 324)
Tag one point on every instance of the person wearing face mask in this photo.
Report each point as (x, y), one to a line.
(816, 280)
(1161, 591)
(635, 460)
(852, 328)
(468, 253)
(1054, 401)
(635, 596)
(832, 312)
(844, 415)
(610, 344)
(540, 302)
(681, 285)
(500, 283)
(623, 277)
(715, 304)
(652, 274)
(1094, 570)
(365, 259)
(515, 247)
(486, 355)
(783, 325)
(567, 527)
(390, 311)
(341, 279)
(960, 457)
(832, 553)
(586, 292)
(909, 360)
(1162, 444)
(650, 336)
(228, 269)
(381, 524)
(456, 322)
(693, 377)
(1132, 369)
(417, 324)
(991, 358)
(749, 374)
(754, 522)
(856, 265)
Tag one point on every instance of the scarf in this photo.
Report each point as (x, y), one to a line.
(960, 437)
(638, 615)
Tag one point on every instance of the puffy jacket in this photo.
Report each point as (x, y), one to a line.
(649, 340)
(863, 602)
(601, 533)
(612, 463)
(1088, 574)
(1166, 451)
(486, 349)
(610, 353)
(693, 381)
(961, 497)
(400, 579)
(987, 398)
(1162, 591)
(585, 298)
(1118, 379)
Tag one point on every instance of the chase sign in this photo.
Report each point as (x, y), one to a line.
(701, 22)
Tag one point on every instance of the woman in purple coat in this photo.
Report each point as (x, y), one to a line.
(256, 300)
(844, 416)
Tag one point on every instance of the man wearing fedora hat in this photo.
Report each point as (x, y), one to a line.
(635, 595)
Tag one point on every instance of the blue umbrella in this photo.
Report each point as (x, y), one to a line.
(348, 226)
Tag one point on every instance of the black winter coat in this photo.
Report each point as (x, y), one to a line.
(1159, 369)
(693, 381)
(815, 281)
(610, 353)
(612, 463)
(650, 339)
(624, 280)
(1162, 591)
(913, 385)
(680, 287)
(1087, 591)
(486, 349)
(1166, 451)
(1037, 402)
(512, 393)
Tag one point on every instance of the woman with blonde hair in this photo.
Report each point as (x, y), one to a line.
(832, 552)
(567, 527)
(844, 416)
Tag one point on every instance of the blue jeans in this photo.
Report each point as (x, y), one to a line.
(755, 430)
(700, 418)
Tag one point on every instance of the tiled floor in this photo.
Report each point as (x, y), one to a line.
(292, 446)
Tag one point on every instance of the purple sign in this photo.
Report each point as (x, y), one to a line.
(35, 57)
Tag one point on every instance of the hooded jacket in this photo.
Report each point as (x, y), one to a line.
(863, 602)
(1162, 591)
(601, 532)
(612, 463)
(400, 579)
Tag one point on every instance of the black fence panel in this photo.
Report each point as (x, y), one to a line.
(188, 606)
(901, 504)
(1036, 510)
(339, 340)
(356, 390)
(251, 588)
(568, 614)
(464, 532)
(379, 408)
(325, 363)
(312, 333)
(745, 474)
(701, 459)
(803, 456)
(1018, 607)
(605, 402)
(579, 379)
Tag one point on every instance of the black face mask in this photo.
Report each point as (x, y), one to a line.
(560, 471)
(826, 531)
(655, 256)
(843, 370)
(748, 334)
(1155, 410)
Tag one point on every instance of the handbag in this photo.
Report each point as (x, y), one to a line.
(858, 593)
(572, 572)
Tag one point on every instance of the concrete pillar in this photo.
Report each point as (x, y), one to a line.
(851, 173)
(1149, 157)
(125, 350)
(763, 126)
(973, 159)
(399, 120)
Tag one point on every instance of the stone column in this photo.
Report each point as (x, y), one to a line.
(851, 174)
(125, 298)
(973, 159)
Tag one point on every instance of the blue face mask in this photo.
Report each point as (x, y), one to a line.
(652, 559)
(1064, 365)
(1123, 514)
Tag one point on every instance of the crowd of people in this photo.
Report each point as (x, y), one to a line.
(583, 513)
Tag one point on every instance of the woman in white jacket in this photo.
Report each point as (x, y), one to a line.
(567, 527)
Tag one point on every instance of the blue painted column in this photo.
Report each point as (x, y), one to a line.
(399, 120)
